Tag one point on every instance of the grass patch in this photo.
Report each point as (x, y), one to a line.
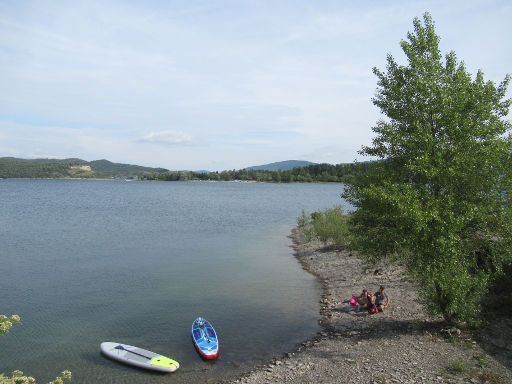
(456, 367)
(482, 361)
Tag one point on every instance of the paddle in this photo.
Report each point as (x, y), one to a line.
(135, 353)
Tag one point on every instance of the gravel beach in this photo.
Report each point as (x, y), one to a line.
(401, 345)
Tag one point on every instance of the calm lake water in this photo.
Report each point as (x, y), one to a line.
(86, 261)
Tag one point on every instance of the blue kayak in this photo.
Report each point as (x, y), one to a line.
(205, 339)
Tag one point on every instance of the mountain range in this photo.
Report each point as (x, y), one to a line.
(11, 167)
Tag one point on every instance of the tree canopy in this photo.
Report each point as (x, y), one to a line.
(440, 198)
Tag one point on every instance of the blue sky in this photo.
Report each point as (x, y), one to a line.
(215, 84)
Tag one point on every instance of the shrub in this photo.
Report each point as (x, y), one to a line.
(303, 220)
(457, 367)
(331, 226)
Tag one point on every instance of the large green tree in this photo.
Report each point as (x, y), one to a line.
(439, 198)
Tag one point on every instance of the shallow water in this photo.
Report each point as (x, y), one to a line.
(86, 261)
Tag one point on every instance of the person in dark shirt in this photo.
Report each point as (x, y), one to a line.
(381, 299)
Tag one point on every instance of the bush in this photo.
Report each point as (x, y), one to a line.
(456, 367)
(329, 226)
(305, 224)
(303, 220)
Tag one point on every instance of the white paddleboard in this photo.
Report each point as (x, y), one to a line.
(138, 357)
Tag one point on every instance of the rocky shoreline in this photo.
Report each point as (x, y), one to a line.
(401, 345)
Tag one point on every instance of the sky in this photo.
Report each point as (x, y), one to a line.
(215, 85)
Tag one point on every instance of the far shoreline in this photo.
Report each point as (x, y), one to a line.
(174, 181)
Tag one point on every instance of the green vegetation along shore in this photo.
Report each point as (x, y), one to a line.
(11, 167)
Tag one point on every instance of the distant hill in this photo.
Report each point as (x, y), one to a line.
(11, 167)
(281, 165)
(106, 168)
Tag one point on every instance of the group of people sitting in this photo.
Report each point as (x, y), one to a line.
(371, 302)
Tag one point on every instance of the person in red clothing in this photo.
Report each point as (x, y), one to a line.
(364, 299)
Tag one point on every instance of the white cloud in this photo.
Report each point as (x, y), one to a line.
(167, 137)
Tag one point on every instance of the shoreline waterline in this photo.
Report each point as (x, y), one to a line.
(412, 346)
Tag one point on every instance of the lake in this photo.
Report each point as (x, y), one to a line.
(86, 261)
